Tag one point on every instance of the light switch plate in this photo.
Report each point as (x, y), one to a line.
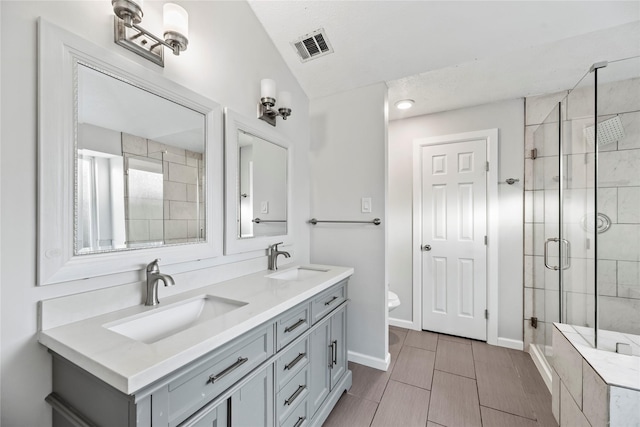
(264, 207)
(366, 205)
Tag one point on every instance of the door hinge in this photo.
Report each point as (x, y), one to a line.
(487, 167)
(486, 240)
(534, 322)
(486, 314)
(534, 154)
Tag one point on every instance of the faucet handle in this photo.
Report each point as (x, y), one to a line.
(275, 246)
(153, 266)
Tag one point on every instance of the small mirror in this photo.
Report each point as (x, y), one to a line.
(257, 187)
(140, 167)
(262, 184)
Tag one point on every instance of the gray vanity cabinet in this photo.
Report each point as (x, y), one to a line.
(328, 362)
(289, 372)
(250, 405)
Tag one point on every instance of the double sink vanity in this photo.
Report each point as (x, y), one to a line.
(134, 167)
(260, 350)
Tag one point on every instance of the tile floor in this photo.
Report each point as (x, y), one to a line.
(439, 380)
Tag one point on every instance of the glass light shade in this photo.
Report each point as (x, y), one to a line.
(176, 19)
(267, 88)
(284, 100)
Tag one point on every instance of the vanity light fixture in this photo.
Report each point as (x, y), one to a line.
(130, 35)
(266, 110)
(404, 104)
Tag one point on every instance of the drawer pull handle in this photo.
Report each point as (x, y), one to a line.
(300, 421)
(295, 395)
(295, 325)
(227, 371)
(331, 300)
(295, 361)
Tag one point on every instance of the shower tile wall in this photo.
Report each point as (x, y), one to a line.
(618, 198)
(179, 220)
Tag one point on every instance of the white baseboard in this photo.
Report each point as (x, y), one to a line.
(372, 362)
(509, 343)
(400, 323)
(542, 364)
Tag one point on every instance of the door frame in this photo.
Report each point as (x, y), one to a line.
(491, 138)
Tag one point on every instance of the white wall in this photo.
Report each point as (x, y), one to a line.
(228, 54)
(508, 117)
(348, 162)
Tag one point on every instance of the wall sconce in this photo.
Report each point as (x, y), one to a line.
(266, 111)
(130, 35)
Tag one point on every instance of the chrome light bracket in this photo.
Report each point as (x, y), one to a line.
(266, 112)
(139, 41)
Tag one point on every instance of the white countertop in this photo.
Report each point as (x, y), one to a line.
(130, 365)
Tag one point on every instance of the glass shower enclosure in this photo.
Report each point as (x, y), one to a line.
(583, 204)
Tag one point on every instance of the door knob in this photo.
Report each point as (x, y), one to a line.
(426, 247)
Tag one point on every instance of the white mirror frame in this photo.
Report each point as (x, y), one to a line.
(234, 123)
(58, 53)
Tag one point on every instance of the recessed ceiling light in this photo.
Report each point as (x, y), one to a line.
(404, 104)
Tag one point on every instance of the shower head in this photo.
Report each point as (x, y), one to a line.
(609, 131)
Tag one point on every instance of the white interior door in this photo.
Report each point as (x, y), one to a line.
(452, 222)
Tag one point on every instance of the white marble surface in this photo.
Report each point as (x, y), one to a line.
(615, 369)
(129, 365)
(570, 413)
(595, 405)
(624, 407)
(567, 362)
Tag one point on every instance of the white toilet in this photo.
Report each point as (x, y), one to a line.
(393, 300)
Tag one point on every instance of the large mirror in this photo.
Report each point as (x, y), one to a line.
(257, 185)
(139, 167)
(130, 164)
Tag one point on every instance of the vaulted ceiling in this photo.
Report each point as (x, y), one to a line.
(451, 54)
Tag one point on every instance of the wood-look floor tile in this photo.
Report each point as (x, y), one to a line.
(402, 405)
(499, 387)
(454, 401)
(483, 352)
(422, 339)
(534, 387)
(432, 424)
(495, 418)
(455, 358)
(351, 411)
(414, 366)
(454, 339)
(396, 340)
(368, 383)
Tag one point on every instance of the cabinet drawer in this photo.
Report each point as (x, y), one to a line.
(324, 303)
(292, 324)
(291, 362)
(292, 394)
(299, 416)
(201, 384)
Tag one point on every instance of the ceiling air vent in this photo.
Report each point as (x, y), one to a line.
(312, 45)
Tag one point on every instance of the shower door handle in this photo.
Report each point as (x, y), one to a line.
(567, 254)
(546, 253)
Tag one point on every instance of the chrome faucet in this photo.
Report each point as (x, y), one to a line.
(153, 276)
(273, 253)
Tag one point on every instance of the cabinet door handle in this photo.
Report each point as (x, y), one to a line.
(295, 361)
(331, 355)
(295, 325)
(295, 395)
(300, 421)
(227, 371)
(331, 300)
(334, 353)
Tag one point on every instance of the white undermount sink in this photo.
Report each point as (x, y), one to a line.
(297, 273)
(163, 322)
